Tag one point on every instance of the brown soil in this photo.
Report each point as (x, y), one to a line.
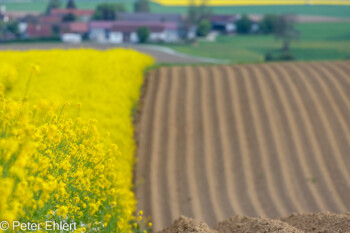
(263, 140)
(241, 224)
(317, 223)
(296, 223)
(188, 225)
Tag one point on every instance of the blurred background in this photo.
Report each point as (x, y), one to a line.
(219, 31)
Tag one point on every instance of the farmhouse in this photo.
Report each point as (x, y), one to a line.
(126, 31)
(224, 24)
(38, 30)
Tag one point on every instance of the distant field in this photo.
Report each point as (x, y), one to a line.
(252, 2)
(334, 11)
(318, 41)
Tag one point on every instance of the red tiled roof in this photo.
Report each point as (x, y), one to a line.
(50, 19)
(79, 27)
(75, 12)
(39, 30)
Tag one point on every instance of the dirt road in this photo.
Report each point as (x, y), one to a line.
(256, 140)
(161, 54)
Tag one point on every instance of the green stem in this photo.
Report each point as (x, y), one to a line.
(28, 84)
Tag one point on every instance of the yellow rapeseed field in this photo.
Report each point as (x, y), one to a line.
(251, 2)
(66, 137)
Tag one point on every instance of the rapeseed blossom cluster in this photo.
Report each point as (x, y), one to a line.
(54, 163)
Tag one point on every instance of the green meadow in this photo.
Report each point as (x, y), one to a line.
(317, 41)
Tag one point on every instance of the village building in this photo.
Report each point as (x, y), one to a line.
(126, 31)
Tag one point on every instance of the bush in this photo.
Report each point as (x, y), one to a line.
(244, 25)
(143, 34)
(286, 56)
(268, 24)
(204, 27)
(269, 56)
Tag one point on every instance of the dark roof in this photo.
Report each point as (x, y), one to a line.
(131, 26)
(223, 18)
(149, 17)
(101, 24)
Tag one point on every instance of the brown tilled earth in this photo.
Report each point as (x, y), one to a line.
(301, 223)
(265, 140)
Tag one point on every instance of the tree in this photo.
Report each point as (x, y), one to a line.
(68, 17)
(71, 4)
(143, 34)
(141, 6)
(284, 29)
(197, 13)
(108, 11)
(204, 27)
(268, 24)
(244, 25)
(12, 26)
(53, 4)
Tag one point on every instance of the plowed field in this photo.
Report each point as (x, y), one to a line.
(257, 140)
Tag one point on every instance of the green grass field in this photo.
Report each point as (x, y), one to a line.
(334, 11)
(318, 41)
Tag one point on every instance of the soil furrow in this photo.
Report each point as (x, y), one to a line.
(271, 117)
(266, 187)
(191, 163)
(156, 199)
(179, 154)
(221, 143)
(291, 105)
(240, 114)
(231, 95)
(143, 167)
(222, 112)
(201, 172)
(323, 124)
(328, 178)
(209, 152)
(257, 140)
(171, 153)
(311, 154)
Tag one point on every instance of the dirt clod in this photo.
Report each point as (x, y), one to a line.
(296, 223)
(241, 224)
(320, 222)
(188, 225)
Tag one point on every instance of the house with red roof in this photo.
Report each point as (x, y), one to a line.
(38, 30)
